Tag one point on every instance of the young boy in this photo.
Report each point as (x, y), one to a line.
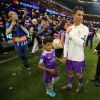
(47, 63)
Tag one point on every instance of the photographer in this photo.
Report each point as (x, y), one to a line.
(19, 37)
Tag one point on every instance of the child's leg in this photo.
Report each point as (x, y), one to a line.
(49, 86)
(49, 89)
(55, 79)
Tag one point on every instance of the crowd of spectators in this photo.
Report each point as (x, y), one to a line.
(39, 23)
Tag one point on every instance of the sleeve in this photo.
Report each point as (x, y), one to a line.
(7, 25)
(65, 45)
(65, 50)
(80, 40)
(53, 50)
(41, 59)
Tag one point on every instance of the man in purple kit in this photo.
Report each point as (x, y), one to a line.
(47, 63)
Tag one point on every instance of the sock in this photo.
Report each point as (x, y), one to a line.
(70, 79)
(49, 87)
(80, 79)
(54, 80)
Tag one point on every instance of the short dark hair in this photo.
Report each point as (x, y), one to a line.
(47, 39)
(78, 8)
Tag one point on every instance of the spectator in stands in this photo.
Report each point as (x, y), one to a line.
(35, 35)
(90, 35)
(69, 22)
(3, 38)
(59, 36)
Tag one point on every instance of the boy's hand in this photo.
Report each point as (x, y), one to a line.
(52, 71)
(63, 60)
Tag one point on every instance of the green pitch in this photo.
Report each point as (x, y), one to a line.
(18, 83)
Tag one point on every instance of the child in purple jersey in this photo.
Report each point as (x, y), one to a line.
(47, 63)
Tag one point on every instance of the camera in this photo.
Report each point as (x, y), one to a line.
(19, 21)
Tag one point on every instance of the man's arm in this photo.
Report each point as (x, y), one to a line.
(8, 30)
(79, 40)
(24, 29)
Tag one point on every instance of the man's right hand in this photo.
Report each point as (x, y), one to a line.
(13, 22)
(68, 30)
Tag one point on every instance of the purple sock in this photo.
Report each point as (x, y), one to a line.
(70, 79)
(81, 79)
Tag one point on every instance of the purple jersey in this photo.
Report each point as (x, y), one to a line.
(48, 59)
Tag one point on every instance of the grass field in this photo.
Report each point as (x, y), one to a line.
(18, 83)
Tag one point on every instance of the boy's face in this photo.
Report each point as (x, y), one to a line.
(48, 46)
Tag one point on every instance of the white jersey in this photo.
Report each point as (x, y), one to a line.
(74, 47)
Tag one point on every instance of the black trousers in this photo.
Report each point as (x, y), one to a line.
(59, 52)
(90, 38)
(98, 68)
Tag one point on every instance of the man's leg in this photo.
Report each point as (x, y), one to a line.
(98, 69)
(25, 55)
(18, 51)
(80, 85)
(79, 68)
(91, 41)
(98, 73)
(69, 68)
(87, 40)
(69, 81)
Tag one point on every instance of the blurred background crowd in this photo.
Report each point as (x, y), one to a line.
(43, 18)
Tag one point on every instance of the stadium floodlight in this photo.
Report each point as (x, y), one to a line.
(95, 0)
